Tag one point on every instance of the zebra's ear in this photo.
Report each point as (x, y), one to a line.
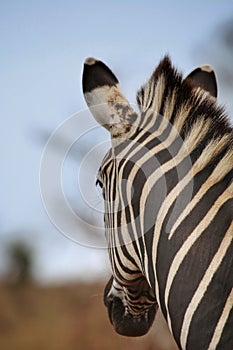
(205, 78)
(104, 98)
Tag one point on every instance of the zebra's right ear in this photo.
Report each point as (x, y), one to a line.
(104, 98)
(204, 77)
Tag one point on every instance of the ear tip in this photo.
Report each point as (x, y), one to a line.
(96, 74)
(207, 68)
(90, 61)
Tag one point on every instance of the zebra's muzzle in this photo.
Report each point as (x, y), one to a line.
(124, 322)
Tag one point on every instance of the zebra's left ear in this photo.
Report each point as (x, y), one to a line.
(204, 77)
(105, 100)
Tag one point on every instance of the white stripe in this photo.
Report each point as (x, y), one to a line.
(221, 322)
(159, 92)
(197, 167)
(186, 246)
(148, 154)
(218, 173)
(171, 197)
(162, 213)
(203, 285)
(187, 210)
(143, 129)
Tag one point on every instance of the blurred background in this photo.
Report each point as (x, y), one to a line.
(51, 284)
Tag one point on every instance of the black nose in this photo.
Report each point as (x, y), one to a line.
(96, 74)
(123, 322)
(127, 324)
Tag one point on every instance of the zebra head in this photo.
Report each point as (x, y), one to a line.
(129, 299)
(127, 176)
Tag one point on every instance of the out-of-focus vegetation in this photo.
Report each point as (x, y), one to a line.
(69, 317)
(66, 318)
(20, 269)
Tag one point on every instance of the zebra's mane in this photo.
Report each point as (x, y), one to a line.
(178, 100)
(191, 110)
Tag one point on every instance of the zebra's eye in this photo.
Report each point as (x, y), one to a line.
(98, 183)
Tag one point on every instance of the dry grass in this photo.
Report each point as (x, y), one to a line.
(70, 317)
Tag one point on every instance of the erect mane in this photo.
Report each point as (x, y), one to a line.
(179, 101)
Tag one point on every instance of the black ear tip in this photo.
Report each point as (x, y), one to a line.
(96, 74)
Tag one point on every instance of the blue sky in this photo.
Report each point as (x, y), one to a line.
(43, 46)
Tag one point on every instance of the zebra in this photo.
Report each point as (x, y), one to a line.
(167, 189)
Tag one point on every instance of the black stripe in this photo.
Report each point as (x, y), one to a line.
(192, 268)
(210, 309)
(226, 340)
